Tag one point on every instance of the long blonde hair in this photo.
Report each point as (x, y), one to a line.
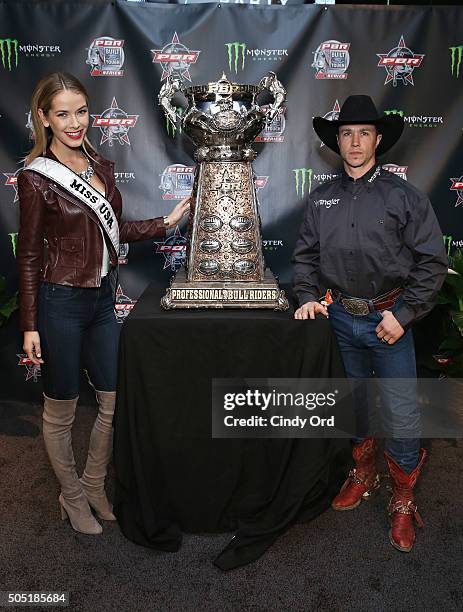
(44, 92)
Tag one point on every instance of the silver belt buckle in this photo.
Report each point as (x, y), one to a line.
(355, 307)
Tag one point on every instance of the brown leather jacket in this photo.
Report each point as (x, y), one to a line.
(75, 245)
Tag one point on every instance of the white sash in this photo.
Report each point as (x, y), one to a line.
(83, 191)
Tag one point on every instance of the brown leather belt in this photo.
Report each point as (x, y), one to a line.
(361, 306)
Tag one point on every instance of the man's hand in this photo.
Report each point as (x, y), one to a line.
(31, 347)
(389, 330)
(309, 310)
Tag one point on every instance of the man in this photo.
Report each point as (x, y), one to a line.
(373, 240)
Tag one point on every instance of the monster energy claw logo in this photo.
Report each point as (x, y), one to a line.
(14, 241)
(301, 176)
(448, 242)
(9, 49)
(236, 52)
(394, 111)
(456, 54)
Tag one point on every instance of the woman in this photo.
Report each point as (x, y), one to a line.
(68, 198)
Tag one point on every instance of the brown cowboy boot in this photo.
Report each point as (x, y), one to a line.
(362, 480)
(401, 507)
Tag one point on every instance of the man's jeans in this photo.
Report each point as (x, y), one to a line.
(365, 356)
(75, 323)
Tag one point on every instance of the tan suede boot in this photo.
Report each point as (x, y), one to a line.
(99, 454)
(58, 417)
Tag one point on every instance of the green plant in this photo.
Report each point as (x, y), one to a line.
(8, 304)
(450, 357)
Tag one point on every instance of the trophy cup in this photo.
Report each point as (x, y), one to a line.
(225, 267)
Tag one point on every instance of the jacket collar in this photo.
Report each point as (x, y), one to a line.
(104, 169)
(366, 180)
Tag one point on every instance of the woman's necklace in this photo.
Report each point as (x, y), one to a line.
(88, 172)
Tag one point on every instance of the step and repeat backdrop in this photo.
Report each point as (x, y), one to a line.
(410, 60)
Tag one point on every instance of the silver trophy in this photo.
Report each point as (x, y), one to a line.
(225, 267)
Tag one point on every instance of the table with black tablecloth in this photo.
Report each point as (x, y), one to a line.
(171, 475)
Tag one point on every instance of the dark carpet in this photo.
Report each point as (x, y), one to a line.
(340, 561)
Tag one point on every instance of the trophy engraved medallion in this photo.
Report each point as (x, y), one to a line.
(225, 267)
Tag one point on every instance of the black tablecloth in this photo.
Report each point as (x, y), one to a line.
(171, 476)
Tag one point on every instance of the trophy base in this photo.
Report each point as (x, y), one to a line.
(223, 294)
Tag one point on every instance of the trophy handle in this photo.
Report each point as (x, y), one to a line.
(168, 91)
(273, 85)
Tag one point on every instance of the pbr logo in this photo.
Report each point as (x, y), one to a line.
(175, 59)
(106, 57)
(273, 130)
(260, 182)
(457, 185)
(123, 253)
(114, 124)
(177, 182)
(399, 63)
(12, 181)
(332, 115)
(331, 60)
(123, 305)
(174, 250)
(456, 54)
(32, 370)
(398, 170)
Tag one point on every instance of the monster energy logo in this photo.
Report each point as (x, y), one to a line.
(171, 127)
(236, 52)
(394, 111)
(14, 239)
(456, 53)
(448, 243)
(9, 49)
(303, 176)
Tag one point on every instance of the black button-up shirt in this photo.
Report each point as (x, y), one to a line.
(367, 236)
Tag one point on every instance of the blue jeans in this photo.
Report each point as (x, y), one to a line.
(77, 323)
(364, 357)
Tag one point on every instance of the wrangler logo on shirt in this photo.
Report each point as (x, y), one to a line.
(327, 203)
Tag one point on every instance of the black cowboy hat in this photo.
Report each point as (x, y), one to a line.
(360, 110)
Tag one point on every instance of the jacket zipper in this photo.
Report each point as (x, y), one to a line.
(111, 194)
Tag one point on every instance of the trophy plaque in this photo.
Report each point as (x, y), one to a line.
(225, 267)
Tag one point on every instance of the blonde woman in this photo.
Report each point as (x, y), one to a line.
(69, 199)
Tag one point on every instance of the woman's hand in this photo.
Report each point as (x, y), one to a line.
(31, 346)
(179, 212)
